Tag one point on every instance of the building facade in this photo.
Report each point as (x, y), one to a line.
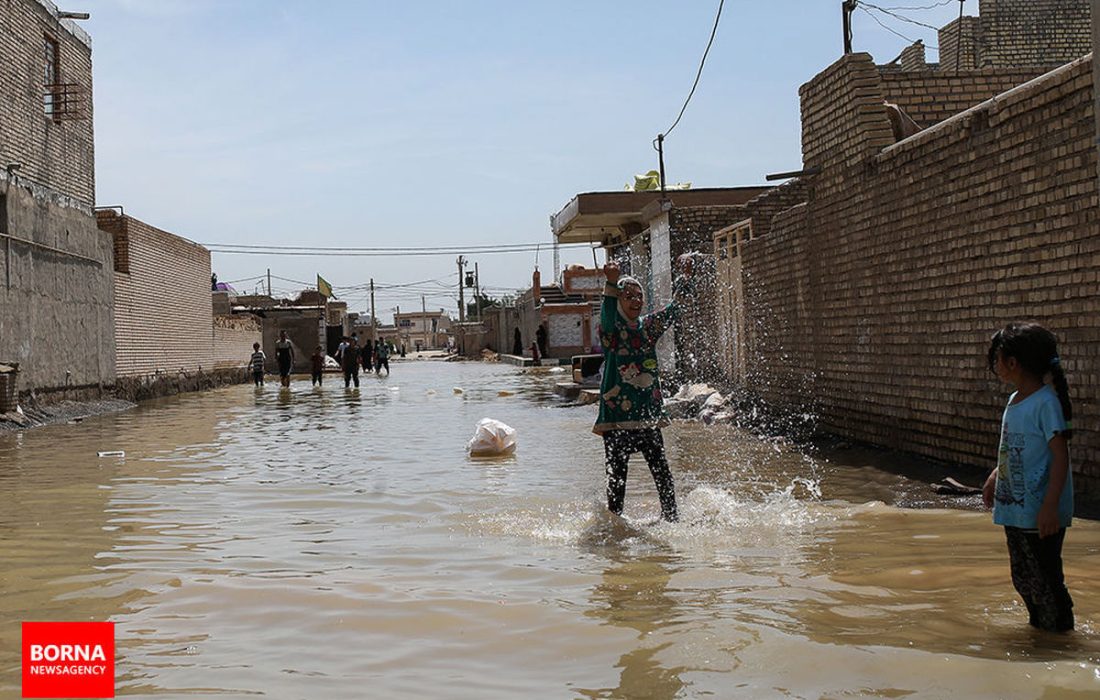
(57, 292)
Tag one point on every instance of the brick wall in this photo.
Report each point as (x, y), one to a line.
(163, 314)
(959, 44)
(233, 338)
(56, 153)
(929, 97)
(875, 304)
(1034, 32)
(912, 57)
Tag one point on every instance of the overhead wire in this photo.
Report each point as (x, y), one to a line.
(699, 73)
(902, 18)
(892, 30)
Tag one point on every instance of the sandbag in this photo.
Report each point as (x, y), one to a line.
(492, 439)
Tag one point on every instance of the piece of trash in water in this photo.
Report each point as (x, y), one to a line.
(557, 370)
(112, 453)
(395, 388)
(457, 390)
(430, 392)
(505, 392)
(492, 439)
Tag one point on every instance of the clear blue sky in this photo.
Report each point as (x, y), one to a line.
(426, 123)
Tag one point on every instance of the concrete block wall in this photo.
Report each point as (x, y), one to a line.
(1033, 32)
(56, 290)
(909, 256)
(55, 153)
(163, 313)
(233, 337)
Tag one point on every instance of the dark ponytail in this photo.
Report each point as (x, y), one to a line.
(1036, 349)
(1058, 379)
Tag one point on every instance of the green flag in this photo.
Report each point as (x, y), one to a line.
(324, 287)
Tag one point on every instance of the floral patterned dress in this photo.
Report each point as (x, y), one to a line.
(630, 394)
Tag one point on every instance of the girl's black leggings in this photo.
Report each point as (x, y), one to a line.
(618, 445)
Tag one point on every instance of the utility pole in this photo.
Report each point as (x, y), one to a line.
(477, 293)
(959, 49)
(424, 322)
(847, 8)
(269, 281)
(373, 323)
(461, 295)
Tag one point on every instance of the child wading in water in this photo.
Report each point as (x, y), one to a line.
(1031, 490)
(631, 407)
(257, 364)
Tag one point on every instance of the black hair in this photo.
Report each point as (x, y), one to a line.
(1036, 349)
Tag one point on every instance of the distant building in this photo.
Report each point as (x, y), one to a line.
(422, 330)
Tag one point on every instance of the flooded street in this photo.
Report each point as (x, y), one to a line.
(327, 543)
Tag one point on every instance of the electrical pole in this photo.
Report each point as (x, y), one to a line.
(477, 293)
(959, 49)
(461, 296)
(373, 323)
(424, 322)
(847, 8)
(269, 281)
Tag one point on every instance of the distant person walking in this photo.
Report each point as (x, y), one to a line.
(1031, 490)
(381, 357)
(366, 354)
(350, 363)
(540, 338)
(631, 406)
(284, 356)
(536, 358)
(317, 366)
(256, 364)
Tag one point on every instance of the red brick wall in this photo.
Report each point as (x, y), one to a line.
(57, 154)
(882, 294)
(163, 314)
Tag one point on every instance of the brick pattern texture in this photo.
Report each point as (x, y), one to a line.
(233, 338)
(929, 97)
(959, 37)
(163, 314)
(58, 154)
(873, 304)
(1034, 32)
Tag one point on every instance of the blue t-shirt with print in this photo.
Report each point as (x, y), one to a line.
(1024, 458)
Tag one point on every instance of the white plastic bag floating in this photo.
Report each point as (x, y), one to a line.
(492, 439)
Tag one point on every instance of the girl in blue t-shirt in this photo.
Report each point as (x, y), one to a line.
(1031, 490)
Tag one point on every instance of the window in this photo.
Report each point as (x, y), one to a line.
(51, 76)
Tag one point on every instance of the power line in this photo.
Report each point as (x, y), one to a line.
(925, 7)
(903, 18)
(698, 73)
(490, 247)
(892, 30)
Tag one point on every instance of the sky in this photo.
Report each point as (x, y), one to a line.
(431, 123)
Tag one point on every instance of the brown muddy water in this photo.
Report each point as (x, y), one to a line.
(324, 543)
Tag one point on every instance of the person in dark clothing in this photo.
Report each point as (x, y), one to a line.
(317, 368)
(284, 355)
(540, 338)
(517, 344)
(350, 363)
(366, 354)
